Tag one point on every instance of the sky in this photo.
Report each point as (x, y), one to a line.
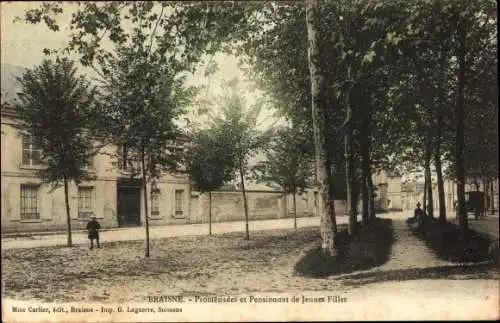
(22, 45)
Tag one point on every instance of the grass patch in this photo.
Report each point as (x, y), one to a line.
(446, 241)
(371, 247)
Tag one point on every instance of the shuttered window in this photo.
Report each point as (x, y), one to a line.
(31, 152)
(29, 202)
(85, 202)
(155, 204)
(179, 202)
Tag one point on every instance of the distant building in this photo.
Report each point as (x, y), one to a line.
(393, 194)
(389, 195)
(411, 194)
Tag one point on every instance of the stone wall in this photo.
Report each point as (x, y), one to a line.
(228, 205)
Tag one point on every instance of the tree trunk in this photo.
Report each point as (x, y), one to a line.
(440, 184)
(492, 208)
(366, 170)
(427, 169)
(349, 169)
(485, 185)
(285, 205)
(144, 183)
(328, 224)
(476, 184)
(460, 130)
(364, 200)
(245, 205)
(69, 242)
(371, 195)
(294, 210)
(437, 148)
(209, 213)
(424, 202)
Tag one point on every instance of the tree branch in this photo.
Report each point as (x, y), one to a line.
(154, 30)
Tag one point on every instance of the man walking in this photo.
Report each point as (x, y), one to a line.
(93, 227)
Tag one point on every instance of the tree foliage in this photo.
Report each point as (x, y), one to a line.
(418, 77)
(55, 107)
(209, 163)
(288, 163)
(239, 126)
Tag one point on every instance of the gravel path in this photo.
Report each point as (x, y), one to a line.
(160, 232)
(410, 252)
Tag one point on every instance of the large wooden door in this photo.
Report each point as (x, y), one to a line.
(129, 206)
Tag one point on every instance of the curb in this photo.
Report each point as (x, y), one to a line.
(16, 235)
(49, 233)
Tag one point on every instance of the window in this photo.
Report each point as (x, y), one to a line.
(90, 163)
(179, 199)
(29, 202)
(124, 161)
(85, 202)
(155, 206)
(31, 152)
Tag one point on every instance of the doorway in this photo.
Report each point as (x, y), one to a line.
(129, 204)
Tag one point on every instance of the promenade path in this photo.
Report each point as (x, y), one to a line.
(408, 251)
(159, 232)
(413, 284)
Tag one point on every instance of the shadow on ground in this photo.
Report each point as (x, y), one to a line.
(446, 241)
(370, 248)
(460, 272)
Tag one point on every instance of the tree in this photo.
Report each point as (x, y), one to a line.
(55, 106)
(328, 224)
(241, 135)
(398, 42)
(142, 96)
(209, 163)
(288, 163)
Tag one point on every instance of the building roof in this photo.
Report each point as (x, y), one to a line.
(10, 86)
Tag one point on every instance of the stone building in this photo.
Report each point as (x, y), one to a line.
(413, 192)
(388, 190)
(113, 196)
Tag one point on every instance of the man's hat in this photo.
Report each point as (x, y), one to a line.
(92, 216)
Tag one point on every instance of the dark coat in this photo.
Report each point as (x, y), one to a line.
(93, 227)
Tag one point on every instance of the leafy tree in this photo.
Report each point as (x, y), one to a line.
(209, 163)
(240, 135)
(55, 108)
(142, 96)
(328, 224)
(143, 89)
(400, 105)
(288, 163)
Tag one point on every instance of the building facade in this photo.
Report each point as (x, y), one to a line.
(115, 197)
(389, 195)
(112, 196)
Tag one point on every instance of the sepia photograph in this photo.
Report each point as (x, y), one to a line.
(194, 161)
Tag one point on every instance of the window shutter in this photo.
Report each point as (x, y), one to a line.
(73, 200)
(172, 203)
(45, 204)
(11, 202)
